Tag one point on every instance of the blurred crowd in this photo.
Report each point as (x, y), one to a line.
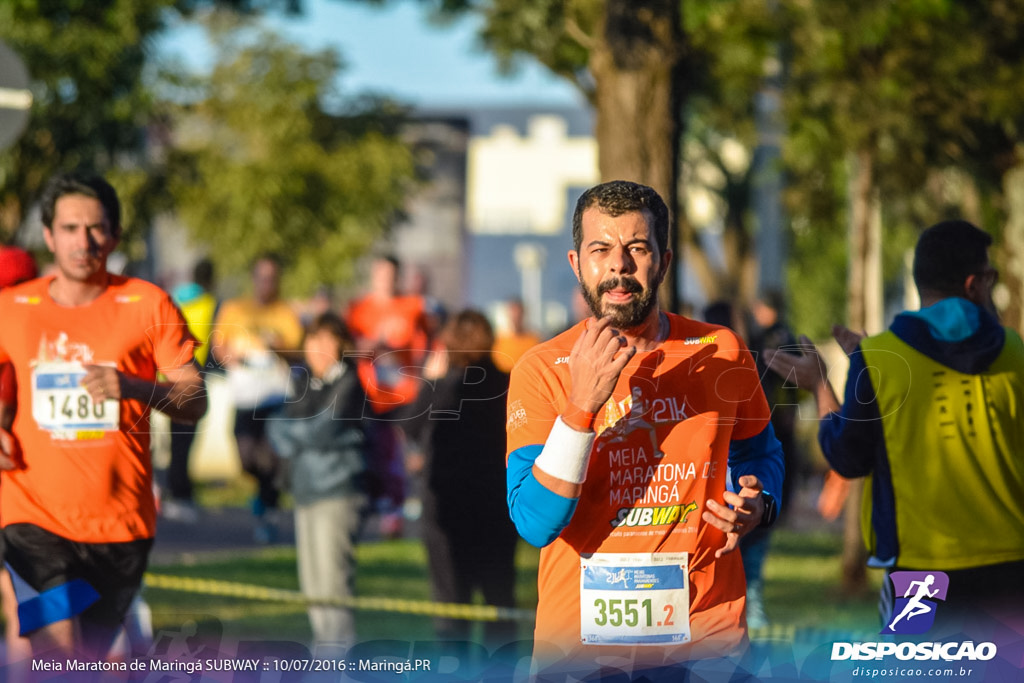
(389, 409)
(395, 424)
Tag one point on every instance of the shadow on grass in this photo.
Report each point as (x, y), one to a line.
(801, 590)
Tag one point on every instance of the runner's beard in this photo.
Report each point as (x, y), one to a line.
(623, 316)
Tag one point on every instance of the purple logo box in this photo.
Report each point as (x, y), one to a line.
(916, 596)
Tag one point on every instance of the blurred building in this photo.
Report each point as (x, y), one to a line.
(493, 221)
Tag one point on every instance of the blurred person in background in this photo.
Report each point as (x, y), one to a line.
(764, 329)
(513, 339)
(255, 340)
(417, 285)
(770, 331)
(321, 301)
(458, 422)
(198, 304)
(390, 329)
(323, 446)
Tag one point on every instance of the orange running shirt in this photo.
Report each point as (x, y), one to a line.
(509, 348)
(393, 325)
(87, 473)
(395, 331)
(661, 452)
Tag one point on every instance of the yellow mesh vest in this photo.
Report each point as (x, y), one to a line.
(955, 444)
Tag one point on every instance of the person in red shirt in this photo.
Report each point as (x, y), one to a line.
(78, 510)
(390, 332)
(639, 452)
(391, 329)
(16, 266)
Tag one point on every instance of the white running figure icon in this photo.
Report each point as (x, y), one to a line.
(915, 607)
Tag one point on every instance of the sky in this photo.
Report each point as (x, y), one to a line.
(395, 50)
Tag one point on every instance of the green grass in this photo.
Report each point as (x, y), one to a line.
(236, 492)
(801, 576)
(392, 569)
(801, 590)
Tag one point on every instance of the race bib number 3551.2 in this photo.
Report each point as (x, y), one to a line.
(634, 599)
(61, 405)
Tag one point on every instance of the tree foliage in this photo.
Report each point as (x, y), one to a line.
(929, 91)
(257, 164)
(625, 56)
(911, 89)
(728, 47)
(86, 59)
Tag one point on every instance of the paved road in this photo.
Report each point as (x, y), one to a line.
(217, 530)
(230, 529)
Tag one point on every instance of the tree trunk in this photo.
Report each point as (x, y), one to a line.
(636, 65)
(1012, 264)
(863, 314)
(861, 187)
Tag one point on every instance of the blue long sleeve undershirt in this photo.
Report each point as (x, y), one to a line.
(540, 515)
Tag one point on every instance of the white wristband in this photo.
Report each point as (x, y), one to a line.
(566, 453)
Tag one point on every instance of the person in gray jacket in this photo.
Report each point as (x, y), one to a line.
(321, 439)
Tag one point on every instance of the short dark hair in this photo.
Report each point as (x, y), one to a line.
(202, 273)
(774, 299)
(390, 258)
(947, 253)
(618, 197)
(333, 324)
(87, 185)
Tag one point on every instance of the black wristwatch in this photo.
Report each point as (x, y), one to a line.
(771, 509)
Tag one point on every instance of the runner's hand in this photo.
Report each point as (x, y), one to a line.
(847, 339)
(595, 363)
(744, 515)
(806, 369)
(102, 382)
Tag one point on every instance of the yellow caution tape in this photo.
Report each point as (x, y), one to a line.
(420, 607)
(784, 634)
(773, 633)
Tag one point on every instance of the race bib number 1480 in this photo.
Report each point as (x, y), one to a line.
(60, 403)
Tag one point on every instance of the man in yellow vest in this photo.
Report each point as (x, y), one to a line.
(932, 417)
(199, 306)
